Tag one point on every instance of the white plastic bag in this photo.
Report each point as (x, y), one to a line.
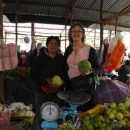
(113, 43)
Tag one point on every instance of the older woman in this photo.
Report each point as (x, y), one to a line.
(78, 51)
(46, 65)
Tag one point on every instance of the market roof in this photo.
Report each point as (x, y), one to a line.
(59, 11)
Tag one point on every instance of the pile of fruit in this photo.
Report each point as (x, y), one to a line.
(97, 122)
(65, 127)
(119, 113)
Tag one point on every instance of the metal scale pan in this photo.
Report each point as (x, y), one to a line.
(74, 97)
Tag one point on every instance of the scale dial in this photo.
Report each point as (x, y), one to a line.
(50, 111)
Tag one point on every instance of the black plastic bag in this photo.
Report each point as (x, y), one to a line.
(19, 91)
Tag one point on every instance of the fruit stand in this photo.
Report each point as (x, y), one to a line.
(111, 116)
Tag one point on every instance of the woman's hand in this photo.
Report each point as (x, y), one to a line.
(49, 81)
(87, 73)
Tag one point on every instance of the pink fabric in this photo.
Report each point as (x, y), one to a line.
(8, 56)
(73, 60)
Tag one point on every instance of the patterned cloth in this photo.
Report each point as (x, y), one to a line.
(110, 91)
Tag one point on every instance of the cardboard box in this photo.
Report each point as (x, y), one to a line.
(14, 127)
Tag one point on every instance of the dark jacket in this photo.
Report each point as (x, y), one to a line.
(122, 74)
(92, 59)
(33, 55)
(46, 67)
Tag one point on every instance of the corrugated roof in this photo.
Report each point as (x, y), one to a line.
(88, 10)
(58, 12)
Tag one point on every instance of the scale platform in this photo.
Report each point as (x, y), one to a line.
(74, 97)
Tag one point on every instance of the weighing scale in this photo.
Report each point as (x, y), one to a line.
(50, 111)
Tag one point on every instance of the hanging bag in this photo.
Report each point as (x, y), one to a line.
(8, 56)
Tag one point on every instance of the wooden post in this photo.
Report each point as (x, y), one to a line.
(1, 72)
(32, 36)
(94, 38)
(116, 26)
(65, 36)
(101, 32)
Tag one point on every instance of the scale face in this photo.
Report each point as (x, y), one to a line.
(50, 111)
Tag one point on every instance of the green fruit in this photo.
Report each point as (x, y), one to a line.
(84, 127)
(121, 108)
(108, 128)
(100, 118)
(56, 80)
(128, 123)
(92, 115)
(107, 120)
(102, 128)
(122, 122)
(84, 66)
(90, 127)
(113, 125)
(86, 118)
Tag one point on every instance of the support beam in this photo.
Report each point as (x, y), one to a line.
(2, 100)
(101, 32)
(32, 34)
(73, 6)
(63, 30)
(124, 10)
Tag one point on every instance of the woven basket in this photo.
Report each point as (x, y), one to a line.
(22, 114)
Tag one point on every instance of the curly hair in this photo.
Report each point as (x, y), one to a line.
(74, 25)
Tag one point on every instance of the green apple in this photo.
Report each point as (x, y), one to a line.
(128, 100)
(113, 105)
(103, 125)
(86, 118)
(126, 113)
(119, 116)
(126, 104)
(90, 127)
(125, 119)
(113, 125)
(122, 123)
(121, 108)
(115, 120)
(108, 112)
(96, 125)
(120, 103)
(128, 123)
(92, 115)
(108, 127)
(111, 116)
(84, 127)
(100, 118)
(114, 111)
(102, 129)
(86, 122)
(107, 120)
(109, 109)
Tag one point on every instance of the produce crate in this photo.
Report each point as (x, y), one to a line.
(14, 127)
(125, 128)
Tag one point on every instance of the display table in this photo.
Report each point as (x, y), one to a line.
(14, 127)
